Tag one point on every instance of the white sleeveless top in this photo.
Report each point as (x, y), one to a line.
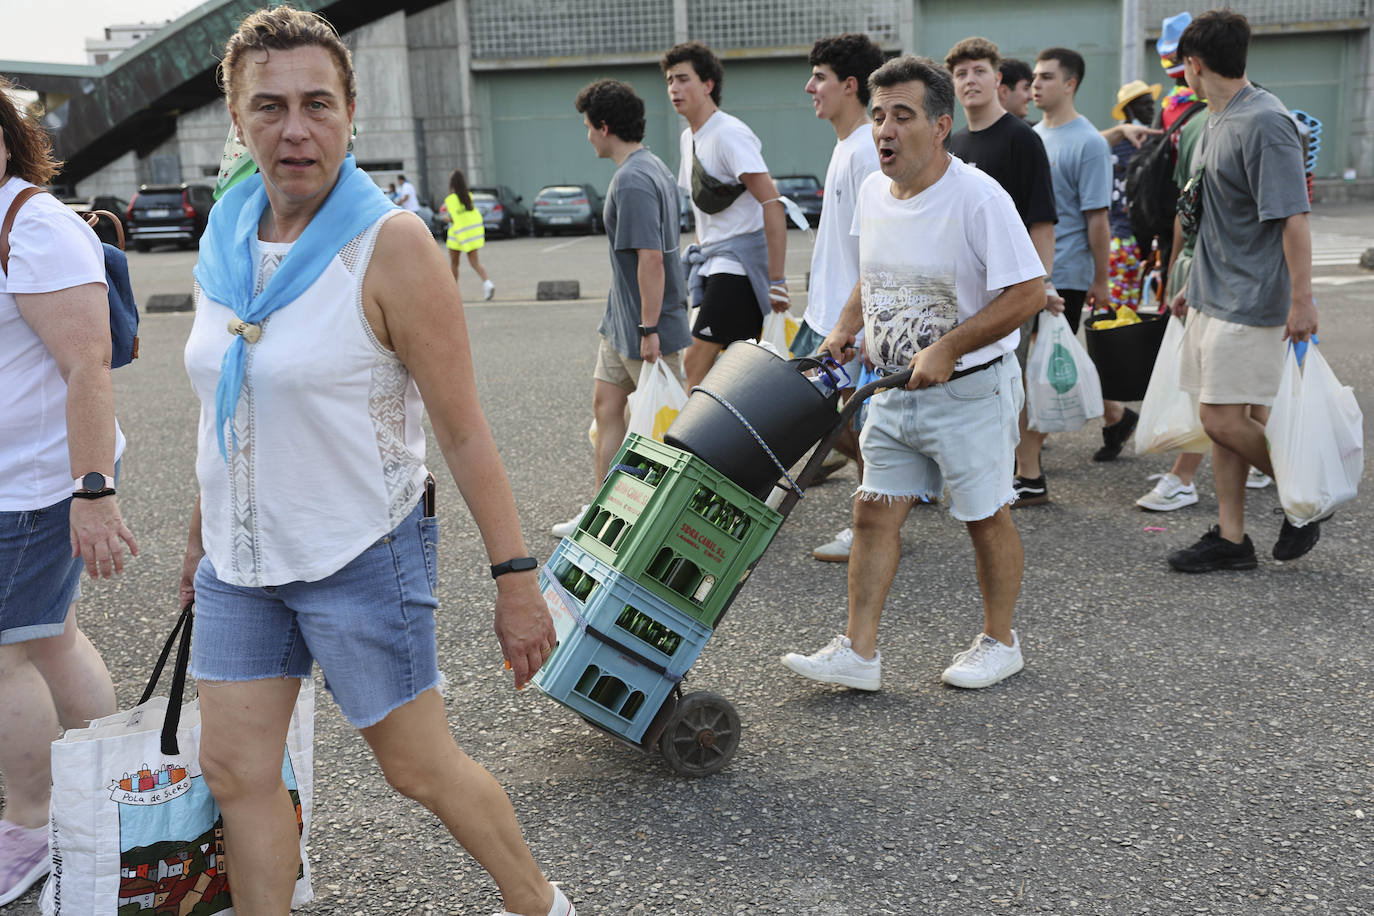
(330, 452)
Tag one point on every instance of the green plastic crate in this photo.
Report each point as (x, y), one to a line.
(635, 523)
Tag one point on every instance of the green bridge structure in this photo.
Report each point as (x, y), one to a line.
(97, 113)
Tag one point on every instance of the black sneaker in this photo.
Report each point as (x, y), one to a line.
(1293, 541)
(1114, 437)
(1213, 552)
(1030, 491)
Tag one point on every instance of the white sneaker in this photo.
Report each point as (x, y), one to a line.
(563, 529)
(838, 663)
(984, 663)
(488, 290)
(1169, 494)
(837, 551)
(561, 906)
(1256, 480)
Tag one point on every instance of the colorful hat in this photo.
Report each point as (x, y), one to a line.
(1129, 93)
(1167, 44)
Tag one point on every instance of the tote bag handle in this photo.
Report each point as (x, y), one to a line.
(172, 719)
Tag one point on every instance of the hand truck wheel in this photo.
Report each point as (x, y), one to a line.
(701, 735)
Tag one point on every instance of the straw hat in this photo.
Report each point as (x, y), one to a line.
(1129, 93)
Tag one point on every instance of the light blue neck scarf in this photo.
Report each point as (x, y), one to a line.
(225, 267)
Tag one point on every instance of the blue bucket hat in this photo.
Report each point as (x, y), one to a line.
(1173, 30)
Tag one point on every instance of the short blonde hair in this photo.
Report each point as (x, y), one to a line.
(282, 29)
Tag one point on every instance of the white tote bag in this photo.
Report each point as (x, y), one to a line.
(1062, 388)
(778, 330)
(657, 398)
(132, 824)
(1169, 419)
(1315, 435)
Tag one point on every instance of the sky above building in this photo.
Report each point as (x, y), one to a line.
(55, 31)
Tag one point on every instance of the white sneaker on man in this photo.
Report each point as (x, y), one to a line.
(984, 663)
(836, 551)
(561, 905)
(1257, 479)
(1169, 493)
(563, 529)
(488, 290)
(838, 663)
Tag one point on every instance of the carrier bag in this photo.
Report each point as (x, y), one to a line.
(657, 398)
(133, 828)
(778, 330)
(1315, 436)
(1169, 419)
(1062, 388)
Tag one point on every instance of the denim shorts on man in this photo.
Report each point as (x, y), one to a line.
(370, 625)
(39, 577)
(961, 433)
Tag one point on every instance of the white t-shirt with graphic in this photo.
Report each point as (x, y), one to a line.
(727, 149)
(835, 259)
(928, 263)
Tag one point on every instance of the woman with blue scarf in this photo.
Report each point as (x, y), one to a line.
(326, 323)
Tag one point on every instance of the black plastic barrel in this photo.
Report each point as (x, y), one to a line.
(787, 410)
(1125, 356)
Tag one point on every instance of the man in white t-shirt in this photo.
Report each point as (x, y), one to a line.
(406, 198)
(736, 269)
(840, 67)
(947, 273)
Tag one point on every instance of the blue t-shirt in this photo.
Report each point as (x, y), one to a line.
(1081, 168)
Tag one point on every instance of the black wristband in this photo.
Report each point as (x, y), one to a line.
(93, 494)
(646, 329)
(519, 564)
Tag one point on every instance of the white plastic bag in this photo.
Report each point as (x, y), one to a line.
(1169, 419)
(1315, 435)
(1062, 388)
(657, 398)
(778, 330)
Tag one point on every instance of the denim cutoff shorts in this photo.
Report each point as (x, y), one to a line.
(39, 577)
(370, 625)
(962, 433)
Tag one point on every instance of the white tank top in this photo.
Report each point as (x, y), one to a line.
(330, 452)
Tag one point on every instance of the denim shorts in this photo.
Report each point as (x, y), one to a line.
(961, 433)
(39, 577)
(370, 625)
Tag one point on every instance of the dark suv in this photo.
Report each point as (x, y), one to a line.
(168, 213)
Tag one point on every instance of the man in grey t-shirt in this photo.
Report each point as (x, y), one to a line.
(1250, 288)
(646, 309)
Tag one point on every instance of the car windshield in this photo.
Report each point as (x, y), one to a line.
(562, 192)
(793, 185)
(483, 197)
(159, 199)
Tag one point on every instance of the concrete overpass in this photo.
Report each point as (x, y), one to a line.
(131, 103)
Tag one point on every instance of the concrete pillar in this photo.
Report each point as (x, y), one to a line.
(470, 138)
(1361, 157)
(680, 27)
(909, 26)
(1132, 45)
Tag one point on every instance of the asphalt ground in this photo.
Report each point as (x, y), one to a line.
(1176, 744)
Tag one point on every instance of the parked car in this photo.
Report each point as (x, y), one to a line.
(103, 228)
(686, 216)
(806, 191)
(503, 211)
(168, 213)
(567, 206)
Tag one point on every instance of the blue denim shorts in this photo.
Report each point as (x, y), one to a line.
(39, 577)
(962, 433)
(370, 625)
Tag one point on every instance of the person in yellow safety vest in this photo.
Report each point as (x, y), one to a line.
(465, 232)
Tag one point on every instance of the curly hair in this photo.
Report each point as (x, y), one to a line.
(973, 48)
(614, 104)
(28, 145)
(283, 29)
(703, 61)
(850, 54)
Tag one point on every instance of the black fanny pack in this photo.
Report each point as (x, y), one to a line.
(710, 194)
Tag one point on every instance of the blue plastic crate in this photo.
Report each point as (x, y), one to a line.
(606, 682)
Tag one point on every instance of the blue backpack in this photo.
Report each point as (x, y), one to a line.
(123, 308)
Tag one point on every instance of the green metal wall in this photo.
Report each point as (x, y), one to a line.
(536, 137)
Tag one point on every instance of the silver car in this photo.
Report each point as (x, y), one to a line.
(566, 207)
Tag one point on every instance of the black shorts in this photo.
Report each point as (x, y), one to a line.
(1073, 306)
(729, 310)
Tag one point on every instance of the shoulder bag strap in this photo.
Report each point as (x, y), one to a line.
(19, 200)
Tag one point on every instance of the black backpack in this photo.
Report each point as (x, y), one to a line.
(1151, 195)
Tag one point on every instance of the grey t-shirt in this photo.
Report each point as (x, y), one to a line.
(642, 212)
(1081, 167)
(1250, 155)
